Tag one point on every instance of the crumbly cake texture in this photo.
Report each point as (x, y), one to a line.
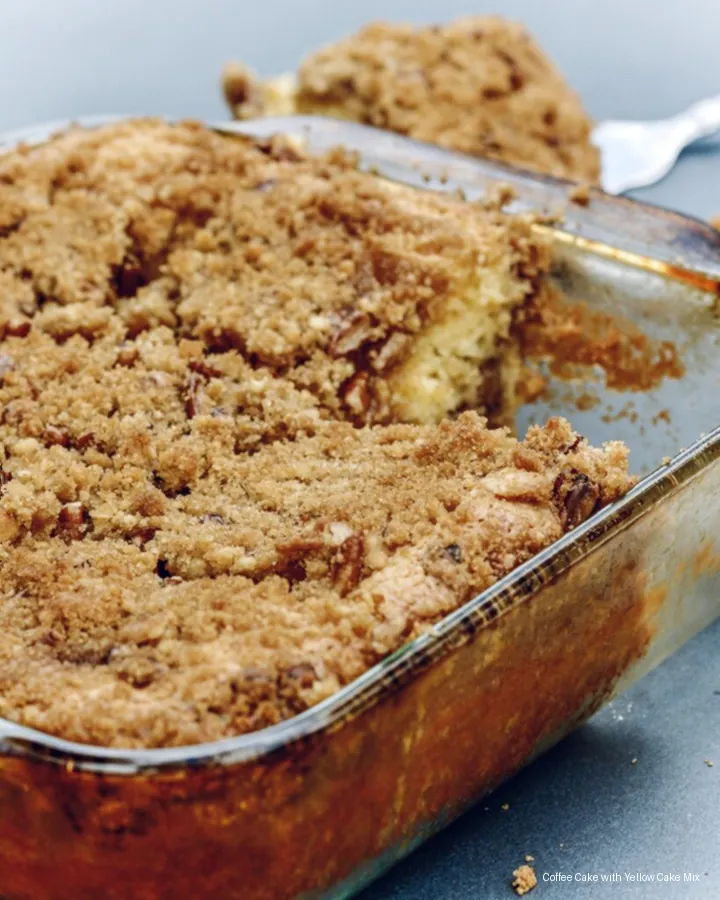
(479, 85)
(193, 544)
(382, 302)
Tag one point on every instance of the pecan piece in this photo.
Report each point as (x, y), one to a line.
(348, 567)
(356, 394)
(290, 683)
(302, 674)
(72, 522)
(199, 373)
(364, 280)
(352, 332)
(201, 367)
(140, 536)
(576, 498)
(391, 352)
(17, 328)
(55, 436)
(83, 441)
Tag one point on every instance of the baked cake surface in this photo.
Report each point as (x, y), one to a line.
(193, 544)
(382, 302)
(138, 614)
(480, 85)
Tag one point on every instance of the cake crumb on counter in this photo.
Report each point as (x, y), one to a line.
(524, 880)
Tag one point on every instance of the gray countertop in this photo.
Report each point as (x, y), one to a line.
(585, 807)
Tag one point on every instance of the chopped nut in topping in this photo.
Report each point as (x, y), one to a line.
(357, 395)
(17, 328)
(72, 522)
(7, 364)
(350, 334)
(349, 564)
(576, 496)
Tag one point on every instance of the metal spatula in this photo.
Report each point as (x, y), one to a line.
(637, 154)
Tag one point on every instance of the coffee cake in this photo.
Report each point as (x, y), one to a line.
(480, 85)
(197, 539)
(383, 302)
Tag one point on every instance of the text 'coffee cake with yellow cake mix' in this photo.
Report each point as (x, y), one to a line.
(479, 85)
(224, 491)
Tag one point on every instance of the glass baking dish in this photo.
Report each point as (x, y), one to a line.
(319, 805)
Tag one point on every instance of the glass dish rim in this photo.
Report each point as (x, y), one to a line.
(360, 694)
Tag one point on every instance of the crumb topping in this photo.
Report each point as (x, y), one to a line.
(479, 85)
(192, 543)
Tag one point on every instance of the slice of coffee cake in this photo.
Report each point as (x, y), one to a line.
(480, 85)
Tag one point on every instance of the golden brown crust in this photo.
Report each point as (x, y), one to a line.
(189, 547)
(480, 85)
